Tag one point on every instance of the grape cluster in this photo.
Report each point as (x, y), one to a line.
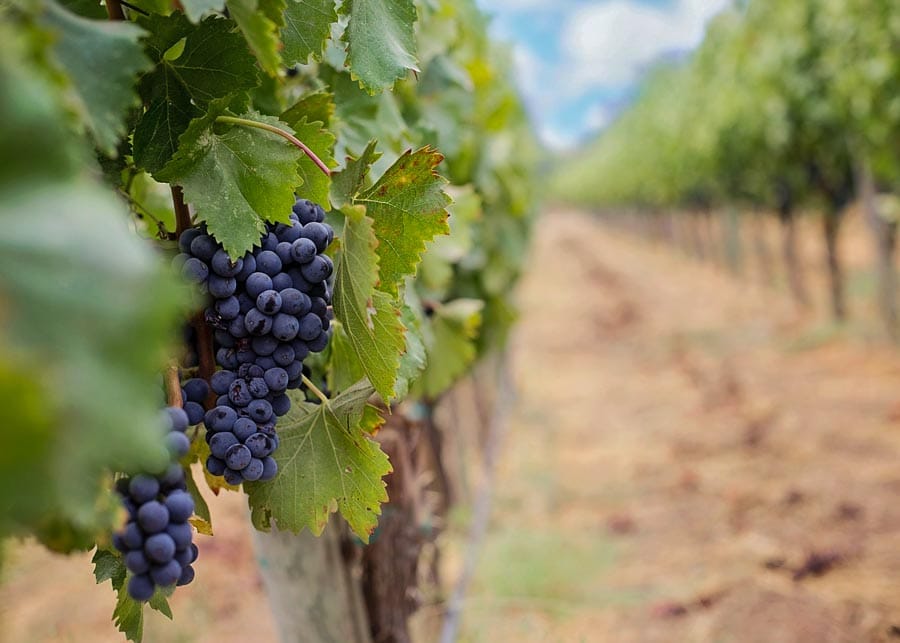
(157, 539)
(269, 309)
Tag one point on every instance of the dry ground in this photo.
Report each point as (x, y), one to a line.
(688, 460)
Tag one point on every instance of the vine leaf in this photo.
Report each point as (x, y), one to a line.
(102, 60)
(414, 359)
(380, 41)
(326, 462)
(316, 106)
(196, 9)
(369, 317)
(215, 62)
(307, 26)
(451, 345)
(408, 205)
(315, 183)
(347, 183)
(128, 614)
(236, 177)
(258, 21)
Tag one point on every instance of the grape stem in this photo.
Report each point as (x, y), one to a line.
(234, 120)
(173, 387)
(114, 10)
(182, 214)
(312, 387)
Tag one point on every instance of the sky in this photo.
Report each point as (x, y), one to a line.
(579, 62)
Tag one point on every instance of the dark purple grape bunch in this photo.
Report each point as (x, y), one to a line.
(269, 309)
(157, 539)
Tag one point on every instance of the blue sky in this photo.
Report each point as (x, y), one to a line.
(578, 62)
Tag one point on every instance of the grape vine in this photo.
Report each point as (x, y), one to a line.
(134, 132)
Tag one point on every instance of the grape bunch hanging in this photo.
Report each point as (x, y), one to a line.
(156, 542)
(270, 309)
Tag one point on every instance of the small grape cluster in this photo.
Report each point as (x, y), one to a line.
(269, 309)
(157, 539)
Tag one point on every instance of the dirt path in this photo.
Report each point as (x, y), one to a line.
(685, 463)
(678, 469)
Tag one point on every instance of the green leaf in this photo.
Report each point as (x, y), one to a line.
(236, 177)
(380, 40)
(414, 360)
(408, 205)
(128, 614)
(215, 63)
(315, 183)
(102, 60)
(196, 9)
(347, 183)
(368, 316)
(77, 289)
(326, 462)
(260, 31)
(307, 26)
(454, 328)
(315, 106)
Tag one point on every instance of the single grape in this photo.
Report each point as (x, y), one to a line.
(258, 443)
(180, 506)
(254, 470)
(180, 533)
(317, 233)
(294, 302)
(259, 410)
(141, 587)
(285, 327)
(178, 444)
(257, 283)
(281, 404)
(160, 548)
(303, 250)
(204, 247)
(269, 302)
(268, 262)
(167, 574)
(243, 429)
(221, 418)
(223, 266)
(276, 379)
(137, 562)
(143, 488)
(237, 457)
(221, 287)
(219, 444)
(270, 468)
(228, 308)
(215, 466)
(187, 575)
(184, 241)
(309, 327)
(153, 517)
(195, 271)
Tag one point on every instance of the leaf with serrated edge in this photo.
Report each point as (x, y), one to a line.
(102, 61)
(315, 106)
(347, 183)
(215, 62)
(408, 205)
(380, 39)
(236, 179)
(325, 461)
(128, 614)
(260, 32)
(307, 26)
(368, 316)
(315, 183)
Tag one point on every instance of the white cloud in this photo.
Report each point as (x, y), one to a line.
(598, 117)
(558, 140)
(611, 43)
